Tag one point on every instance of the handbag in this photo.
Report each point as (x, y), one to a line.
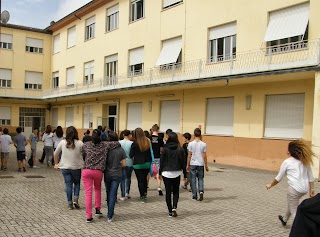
(153, 168)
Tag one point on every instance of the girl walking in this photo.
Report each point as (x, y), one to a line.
(95, 158)
(172, 162)
(70, 164)
(300, 178)
(140, 152)
(47, 138)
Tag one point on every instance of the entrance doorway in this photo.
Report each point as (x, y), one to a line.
(110, 117)
(30, 123)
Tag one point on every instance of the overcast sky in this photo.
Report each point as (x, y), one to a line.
(39, 13)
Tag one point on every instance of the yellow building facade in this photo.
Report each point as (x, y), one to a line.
(245, 72)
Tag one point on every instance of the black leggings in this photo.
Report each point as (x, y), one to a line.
(172, 186)
(141, 175)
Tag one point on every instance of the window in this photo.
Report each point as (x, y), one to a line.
(171, 54)
(111, 69)
(88, 73)
(55, 80)
(33, 80)
(136, 61)
(170, 115)
(170, 3)
(5, 41)
(90, 28)
(284, 116)
(5, 116)
(134, 118)
(113, 18)
(222, 42)
(5, 78)
(220, 116)
(87, 117)
(137, 10)
(69, 116)
(71, 37)
(288, 29)
(70, 76)
(54, 121)
(34, 45)
(56, 44)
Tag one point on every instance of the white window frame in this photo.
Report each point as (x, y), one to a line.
(112, 21)
(228, 54)
(55, 80)
(56, 44)
(136, 62)
(134, 10)
(90, 29)
(71, 42)
(5, 116)
(6, 79)
(6, 41)
(111, 70)
(88, 73)
(220, 116)
(87, 117)
(67, 76)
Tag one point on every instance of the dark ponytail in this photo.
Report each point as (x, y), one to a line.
(96, 136)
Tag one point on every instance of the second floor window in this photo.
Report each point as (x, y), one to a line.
(88, 73)
(70, 76)
(137, 10)
(5, 78)
(222, 43)
(55, 80)
(111, 69)
(5, 41)
(90, 28)
(34, 45)
(33, 80)
(136, 61)
(171, 54)
(113, 18)
(170, 3)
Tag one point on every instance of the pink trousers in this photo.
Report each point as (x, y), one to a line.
(92, 178)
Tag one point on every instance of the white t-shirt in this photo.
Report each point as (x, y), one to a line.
(48, 139)
(197, 148)
(298, 175)
(56, 140)
(70, 158)
(5, 143)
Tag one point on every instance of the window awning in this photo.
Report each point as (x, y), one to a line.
(167, 3)
(288, 22)
(170, 51)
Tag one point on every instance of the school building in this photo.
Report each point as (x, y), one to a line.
(245, 72)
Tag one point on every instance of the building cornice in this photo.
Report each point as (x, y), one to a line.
(25, 28)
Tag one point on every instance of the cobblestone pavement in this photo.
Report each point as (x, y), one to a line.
(235, 203)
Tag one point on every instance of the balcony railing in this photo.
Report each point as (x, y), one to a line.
(289, 56)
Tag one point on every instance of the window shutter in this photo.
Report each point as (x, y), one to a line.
(34, 78)
(220, 115)
(6, 38)
(5, 74)
(288, 22)
(113, 10)
(71, 36)
(134, 119)
(223, 31)
(38, 43)
(170, 115)
(90, 20)
(56, 44)
(111, 58)
(170, 51)
(70, 76)
(69, 116)
(167, 3)
(55, 117)
(284, 116)
(55, 74)
(136, 56)
(5, 112)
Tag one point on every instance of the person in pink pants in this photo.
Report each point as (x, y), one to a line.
(95, 156)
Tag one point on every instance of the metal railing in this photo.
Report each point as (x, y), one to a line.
(289, 56)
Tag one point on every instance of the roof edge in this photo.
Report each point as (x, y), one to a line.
(27, 28)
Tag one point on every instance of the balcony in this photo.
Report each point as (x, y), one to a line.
(289, 56)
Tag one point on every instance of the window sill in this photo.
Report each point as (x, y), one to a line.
(131, 22)
(217, 135)
(135, 75)
(56, 53)
(172, 6)
(222, 61)
(71, 47)
(111, 30)
(86, 40)
(5, 87)
(6, 49)
(285, 51)
(33, 89)
(34, 53)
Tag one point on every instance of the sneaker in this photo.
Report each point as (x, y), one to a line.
(19, 170)
(174, 212)
(201, 196)
(41, 161)
(70, 206)
(89, 220)
(122, 199)
(143, 199)
(76, 203)
(128, 195)
(194, 199)
(24, 169)
(170, 214)
(282, 221)
(160, 192)
(98, 213)
(109, 220)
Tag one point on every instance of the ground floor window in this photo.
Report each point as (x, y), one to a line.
(30, 118)
(134, 118)
(284, 116)
(170, 115)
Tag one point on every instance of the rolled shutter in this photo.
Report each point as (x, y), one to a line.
(170, 115)
(134, 119)
(136, 56)
(170, 51)
(34, 78)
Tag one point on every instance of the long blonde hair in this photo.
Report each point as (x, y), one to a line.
(142, 141)
(300, 150)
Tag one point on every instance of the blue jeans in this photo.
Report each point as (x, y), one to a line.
(72, 177)
(196, 172)
(112, 184)
(126, 180)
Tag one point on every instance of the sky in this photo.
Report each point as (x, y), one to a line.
(39, 13)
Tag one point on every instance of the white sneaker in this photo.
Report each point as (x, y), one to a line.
(128, 196)
(122, 199)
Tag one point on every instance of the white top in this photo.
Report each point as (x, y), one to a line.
(298, 175)
(70, 158)
(197, 148)
(171, 174)
(47, 139)
(5, 141)
(56, 140)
